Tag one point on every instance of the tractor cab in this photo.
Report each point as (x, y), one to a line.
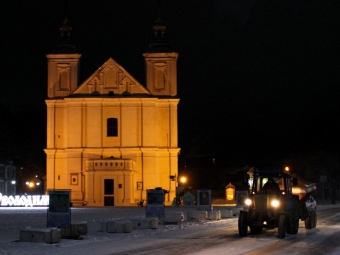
(272, 182)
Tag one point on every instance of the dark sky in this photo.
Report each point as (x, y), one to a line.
(258, 80)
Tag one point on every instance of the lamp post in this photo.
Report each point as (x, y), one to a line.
(181, 180)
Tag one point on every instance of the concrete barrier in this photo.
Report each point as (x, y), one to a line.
(236, 210)
(214, 215)
(226, 213)
(141, 223)
(103, 226)
(55, 235)
(119, 226)
(76, 230)
(199, 216)
(173, 217)
(44, 235)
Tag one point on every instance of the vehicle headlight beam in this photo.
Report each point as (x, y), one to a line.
(248, 201)
(275, 203)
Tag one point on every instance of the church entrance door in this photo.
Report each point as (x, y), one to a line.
(109, 192)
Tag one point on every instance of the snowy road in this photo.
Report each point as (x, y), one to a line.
(210, 237)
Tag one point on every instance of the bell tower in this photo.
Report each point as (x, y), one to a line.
(161, 62)
(63, 65)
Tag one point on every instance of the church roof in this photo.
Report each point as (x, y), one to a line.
(111, 79)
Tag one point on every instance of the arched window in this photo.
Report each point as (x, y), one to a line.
(112, 127)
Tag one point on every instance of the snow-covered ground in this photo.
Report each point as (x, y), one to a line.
(97, 242)
(12, 220)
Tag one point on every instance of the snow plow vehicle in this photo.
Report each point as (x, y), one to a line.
(277, 200)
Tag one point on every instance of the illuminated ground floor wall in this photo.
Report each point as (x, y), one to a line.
(112, 177)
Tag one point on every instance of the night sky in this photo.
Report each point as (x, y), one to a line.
(258, 80)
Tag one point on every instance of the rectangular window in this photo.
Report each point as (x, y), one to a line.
(112, 127)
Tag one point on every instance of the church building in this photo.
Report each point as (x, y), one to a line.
(110, 138)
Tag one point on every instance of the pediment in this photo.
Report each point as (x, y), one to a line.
(110, 78)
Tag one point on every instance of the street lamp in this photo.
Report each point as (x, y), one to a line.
(183, 179)
(30, 184)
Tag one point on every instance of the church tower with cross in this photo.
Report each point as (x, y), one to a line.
(110, 138)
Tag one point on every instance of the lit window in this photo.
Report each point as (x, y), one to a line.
(112, 127)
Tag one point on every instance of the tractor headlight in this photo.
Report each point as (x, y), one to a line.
(275, 203)
(248, 201)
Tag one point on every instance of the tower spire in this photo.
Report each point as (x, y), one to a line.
(63, 64)
(159, 43)
(159, 28)
(65, 30)
(161, 62)
(65, 45)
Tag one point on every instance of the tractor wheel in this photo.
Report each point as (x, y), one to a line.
(293, 223)
(242, 224)
(313, 219)
(281, 231)
(255, 230)
(308, 223)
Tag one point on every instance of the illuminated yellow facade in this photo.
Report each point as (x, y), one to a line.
(110, 138)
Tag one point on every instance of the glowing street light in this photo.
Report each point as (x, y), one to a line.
(30, 184)
(183, 179)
